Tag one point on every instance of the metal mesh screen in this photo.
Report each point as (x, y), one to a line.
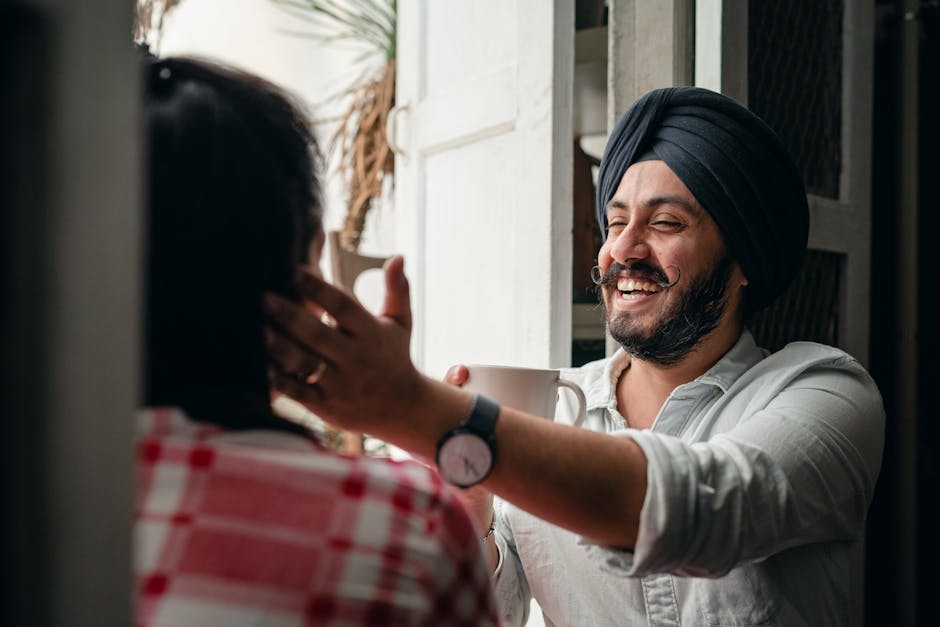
(795, 82)
(808, 309)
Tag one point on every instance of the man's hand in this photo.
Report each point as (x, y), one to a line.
(349, 367)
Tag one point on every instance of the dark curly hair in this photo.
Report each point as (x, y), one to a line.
(234, 203)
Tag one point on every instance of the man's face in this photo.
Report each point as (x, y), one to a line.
(658, 233)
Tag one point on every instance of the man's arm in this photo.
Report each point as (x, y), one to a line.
(587, 482)
(785, 461)
(799, 468)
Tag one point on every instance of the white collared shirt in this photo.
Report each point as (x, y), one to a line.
(760, 474)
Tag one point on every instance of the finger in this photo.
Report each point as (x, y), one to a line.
(289, 356)
(304, 328)
(397, 305)
(310, 396)
(457, 375)
(352, 317)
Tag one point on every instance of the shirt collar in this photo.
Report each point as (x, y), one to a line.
(745, 353)
(742, 357)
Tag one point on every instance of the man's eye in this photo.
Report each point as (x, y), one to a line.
(667, 224)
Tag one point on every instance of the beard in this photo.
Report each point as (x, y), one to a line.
(696, 314)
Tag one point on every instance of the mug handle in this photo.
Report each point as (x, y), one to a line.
(582, 403)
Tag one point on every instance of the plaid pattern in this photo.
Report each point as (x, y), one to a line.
(269, 529)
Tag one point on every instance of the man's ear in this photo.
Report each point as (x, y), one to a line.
(738, 277)
(740, 283)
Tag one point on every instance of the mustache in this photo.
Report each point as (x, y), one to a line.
(638, 270)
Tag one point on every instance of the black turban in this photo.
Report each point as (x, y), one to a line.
(734, 165)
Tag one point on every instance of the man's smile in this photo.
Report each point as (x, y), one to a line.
(627, 293)
(632, 289)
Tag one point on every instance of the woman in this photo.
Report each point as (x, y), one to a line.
(242, 517)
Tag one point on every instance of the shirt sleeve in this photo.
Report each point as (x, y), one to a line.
(798, 470)
(512, 587)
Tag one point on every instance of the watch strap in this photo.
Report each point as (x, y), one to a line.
(483, 415)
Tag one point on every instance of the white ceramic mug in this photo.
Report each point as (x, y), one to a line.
(532, 390)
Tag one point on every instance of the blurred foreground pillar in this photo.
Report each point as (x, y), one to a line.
(70, 308)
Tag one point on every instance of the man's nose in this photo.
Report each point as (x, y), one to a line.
(630, 245)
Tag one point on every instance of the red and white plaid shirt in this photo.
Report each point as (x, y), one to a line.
(270, 529)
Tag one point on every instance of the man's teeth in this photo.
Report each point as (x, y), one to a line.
(632, 285)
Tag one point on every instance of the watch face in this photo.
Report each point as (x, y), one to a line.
(465, 459)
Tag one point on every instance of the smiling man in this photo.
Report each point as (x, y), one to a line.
(655, 223)
(712, 483)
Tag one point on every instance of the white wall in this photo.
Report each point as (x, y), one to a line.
(253, 35)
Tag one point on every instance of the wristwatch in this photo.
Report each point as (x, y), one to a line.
(466, 455)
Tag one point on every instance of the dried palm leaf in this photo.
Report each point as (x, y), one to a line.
(365, 159)
(364, 153)
(149, 16)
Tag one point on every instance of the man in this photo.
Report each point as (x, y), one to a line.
(712, 483)
(243, 518)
